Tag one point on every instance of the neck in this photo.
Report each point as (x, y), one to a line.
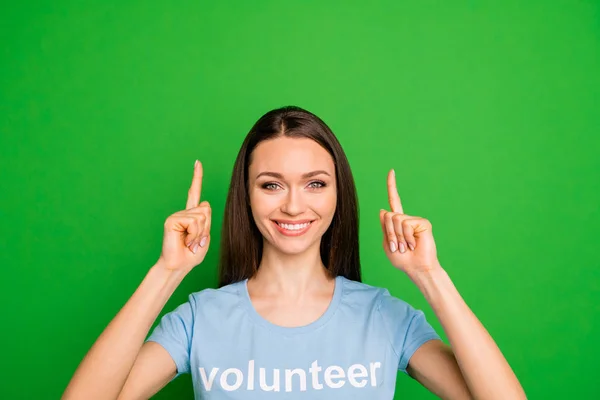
(291, 274)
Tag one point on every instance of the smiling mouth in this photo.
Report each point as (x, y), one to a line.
(293, 229)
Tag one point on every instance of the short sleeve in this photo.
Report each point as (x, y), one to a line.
(407, 328)
(174, 333)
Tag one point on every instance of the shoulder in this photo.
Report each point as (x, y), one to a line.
(217, 299)
(406, 328)
(379, 297)
(398, 316)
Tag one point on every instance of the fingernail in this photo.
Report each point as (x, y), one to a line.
(195, 248)
(203, 241)
(411, 247)
(392, 246)
(393, 172)
(195, 163)
(402, 248)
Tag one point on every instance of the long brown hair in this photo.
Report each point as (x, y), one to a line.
(241, 241)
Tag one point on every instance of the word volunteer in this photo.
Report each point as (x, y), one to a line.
(357, 375)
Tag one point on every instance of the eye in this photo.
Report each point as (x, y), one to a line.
(269, 186)
(317, 185)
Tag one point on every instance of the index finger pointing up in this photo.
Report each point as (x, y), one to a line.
(196, 187)
(393, 196)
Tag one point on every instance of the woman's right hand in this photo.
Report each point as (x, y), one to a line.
(187, 233)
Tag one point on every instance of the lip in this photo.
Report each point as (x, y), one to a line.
(292, 222)
(286, 232)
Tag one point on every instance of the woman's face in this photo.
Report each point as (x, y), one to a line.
(292, 191)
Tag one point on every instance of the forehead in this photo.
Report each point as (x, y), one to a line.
(290, 156)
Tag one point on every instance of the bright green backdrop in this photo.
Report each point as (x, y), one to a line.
(488, 111)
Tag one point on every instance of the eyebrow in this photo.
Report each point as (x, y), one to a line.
(304, 176)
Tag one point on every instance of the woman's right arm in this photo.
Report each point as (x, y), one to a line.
(119, 364)
(104, 371)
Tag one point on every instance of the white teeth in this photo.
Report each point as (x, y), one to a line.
(294, 227)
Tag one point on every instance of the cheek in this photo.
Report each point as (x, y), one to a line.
(261, 205)
(325, 205)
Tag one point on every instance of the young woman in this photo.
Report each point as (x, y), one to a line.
(291, 318)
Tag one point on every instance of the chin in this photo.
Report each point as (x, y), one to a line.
(295, 247)
(291, 249)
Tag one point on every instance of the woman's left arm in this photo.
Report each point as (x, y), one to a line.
(472, 350)
(473, 365)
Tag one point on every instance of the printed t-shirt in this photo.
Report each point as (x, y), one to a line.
(353, 351)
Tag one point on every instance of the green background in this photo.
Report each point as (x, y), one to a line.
(488, 111)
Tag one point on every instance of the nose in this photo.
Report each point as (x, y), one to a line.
(294, 202)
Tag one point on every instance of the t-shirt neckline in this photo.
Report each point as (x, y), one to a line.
(322, 320)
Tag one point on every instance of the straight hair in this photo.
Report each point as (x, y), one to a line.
(242, 242)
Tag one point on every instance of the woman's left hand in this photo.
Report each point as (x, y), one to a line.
(407, 241)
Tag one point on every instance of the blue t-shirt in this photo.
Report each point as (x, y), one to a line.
(353, 351)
